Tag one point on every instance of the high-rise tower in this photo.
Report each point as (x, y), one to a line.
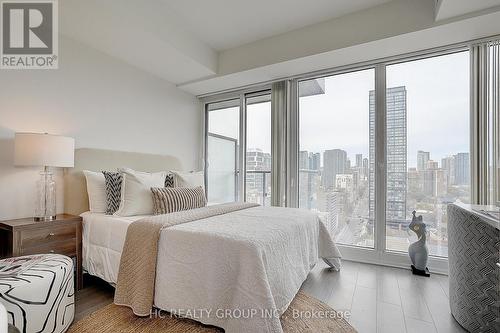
(396, 117)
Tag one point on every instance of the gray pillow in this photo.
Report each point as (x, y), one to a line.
(174, 199)
(113, 190)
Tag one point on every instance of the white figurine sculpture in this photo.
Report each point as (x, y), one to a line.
(418, 251)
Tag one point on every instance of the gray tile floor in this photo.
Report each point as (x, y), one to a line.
(384, 299)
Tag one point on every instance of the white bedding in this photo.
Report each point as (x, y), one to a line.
(102, 243)
(252, 260)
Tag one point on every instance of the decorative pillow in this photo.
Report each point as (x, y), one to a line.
(96, 190)
(169, 180)
(113, 191)
(136, 194)
(189, 179)
(174, 199)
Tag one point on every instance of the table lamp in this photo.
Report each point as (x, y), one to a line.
(35, 149)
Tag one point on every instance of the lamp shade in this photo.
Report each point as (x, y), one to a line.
(34, 149)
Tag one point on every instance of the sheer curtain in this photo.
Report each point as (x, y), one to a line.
(485, 138)
(280, 99)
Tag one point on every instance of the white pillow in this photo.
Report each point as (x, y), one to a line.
(136, 196)
(96, 189)
(189, 179)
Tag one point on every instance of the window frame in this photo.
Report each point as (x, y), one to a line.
(205, 142)
(246, 97)
(379, 254)
(295, 178)
(241, 95)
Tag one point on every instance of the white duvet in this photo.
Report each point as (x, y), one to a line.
(238, 271)
(102, 243)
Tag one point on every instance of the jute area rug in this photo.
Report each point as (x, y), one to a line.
(112, 318)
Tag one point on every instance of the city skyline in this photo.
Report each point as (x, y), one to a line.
(440, 162)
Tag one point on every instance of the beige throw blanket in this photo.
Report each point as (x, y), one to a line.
(136, 277)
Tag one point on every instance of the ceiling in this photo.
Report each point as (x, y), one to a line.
(452, 8)
(225, 24)
(145, 34)
(204, 46)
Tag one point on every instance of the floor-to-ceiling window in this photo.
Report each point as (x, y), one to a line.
(238, 148)
(222, 150)
(258, 149)
(335, 136)
(425, 150)
(427, 131)
(363, 165)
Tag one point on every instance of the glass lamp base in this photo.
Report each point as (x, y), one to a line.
(44, 218)
(45, 207)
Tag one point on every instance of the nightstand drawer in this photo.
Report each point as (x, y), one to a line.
(37, 237)
(66, 247)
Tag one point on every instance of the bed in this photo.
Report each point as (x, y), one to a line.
(252, 261)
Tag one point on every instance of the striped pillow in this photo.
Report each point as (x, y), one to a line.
(174, 199)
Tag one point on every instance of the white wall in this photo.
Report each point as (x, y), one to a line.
(101, 102)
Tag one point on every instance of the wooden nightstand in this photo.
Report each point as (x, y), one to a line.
(62, 236)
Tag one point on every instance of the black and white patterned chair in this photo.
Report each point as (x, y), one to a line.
(41, 299)
(474, 245)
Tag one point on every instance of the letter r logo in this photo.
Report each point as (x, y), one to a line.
(27, 27)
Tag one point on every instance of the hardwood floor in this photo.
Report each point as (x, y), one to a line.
(378, 298)
(384, 299)
(95, 294)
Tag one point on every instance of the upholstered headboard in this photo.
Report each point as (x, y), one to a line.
(75, 188)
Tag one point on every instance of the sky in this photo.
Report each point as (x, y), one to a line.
(437, 111)
(226, 122)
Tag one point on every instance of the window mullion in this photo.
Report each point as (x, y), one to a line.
(380, 158)
(242, 149)
(293, 146)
